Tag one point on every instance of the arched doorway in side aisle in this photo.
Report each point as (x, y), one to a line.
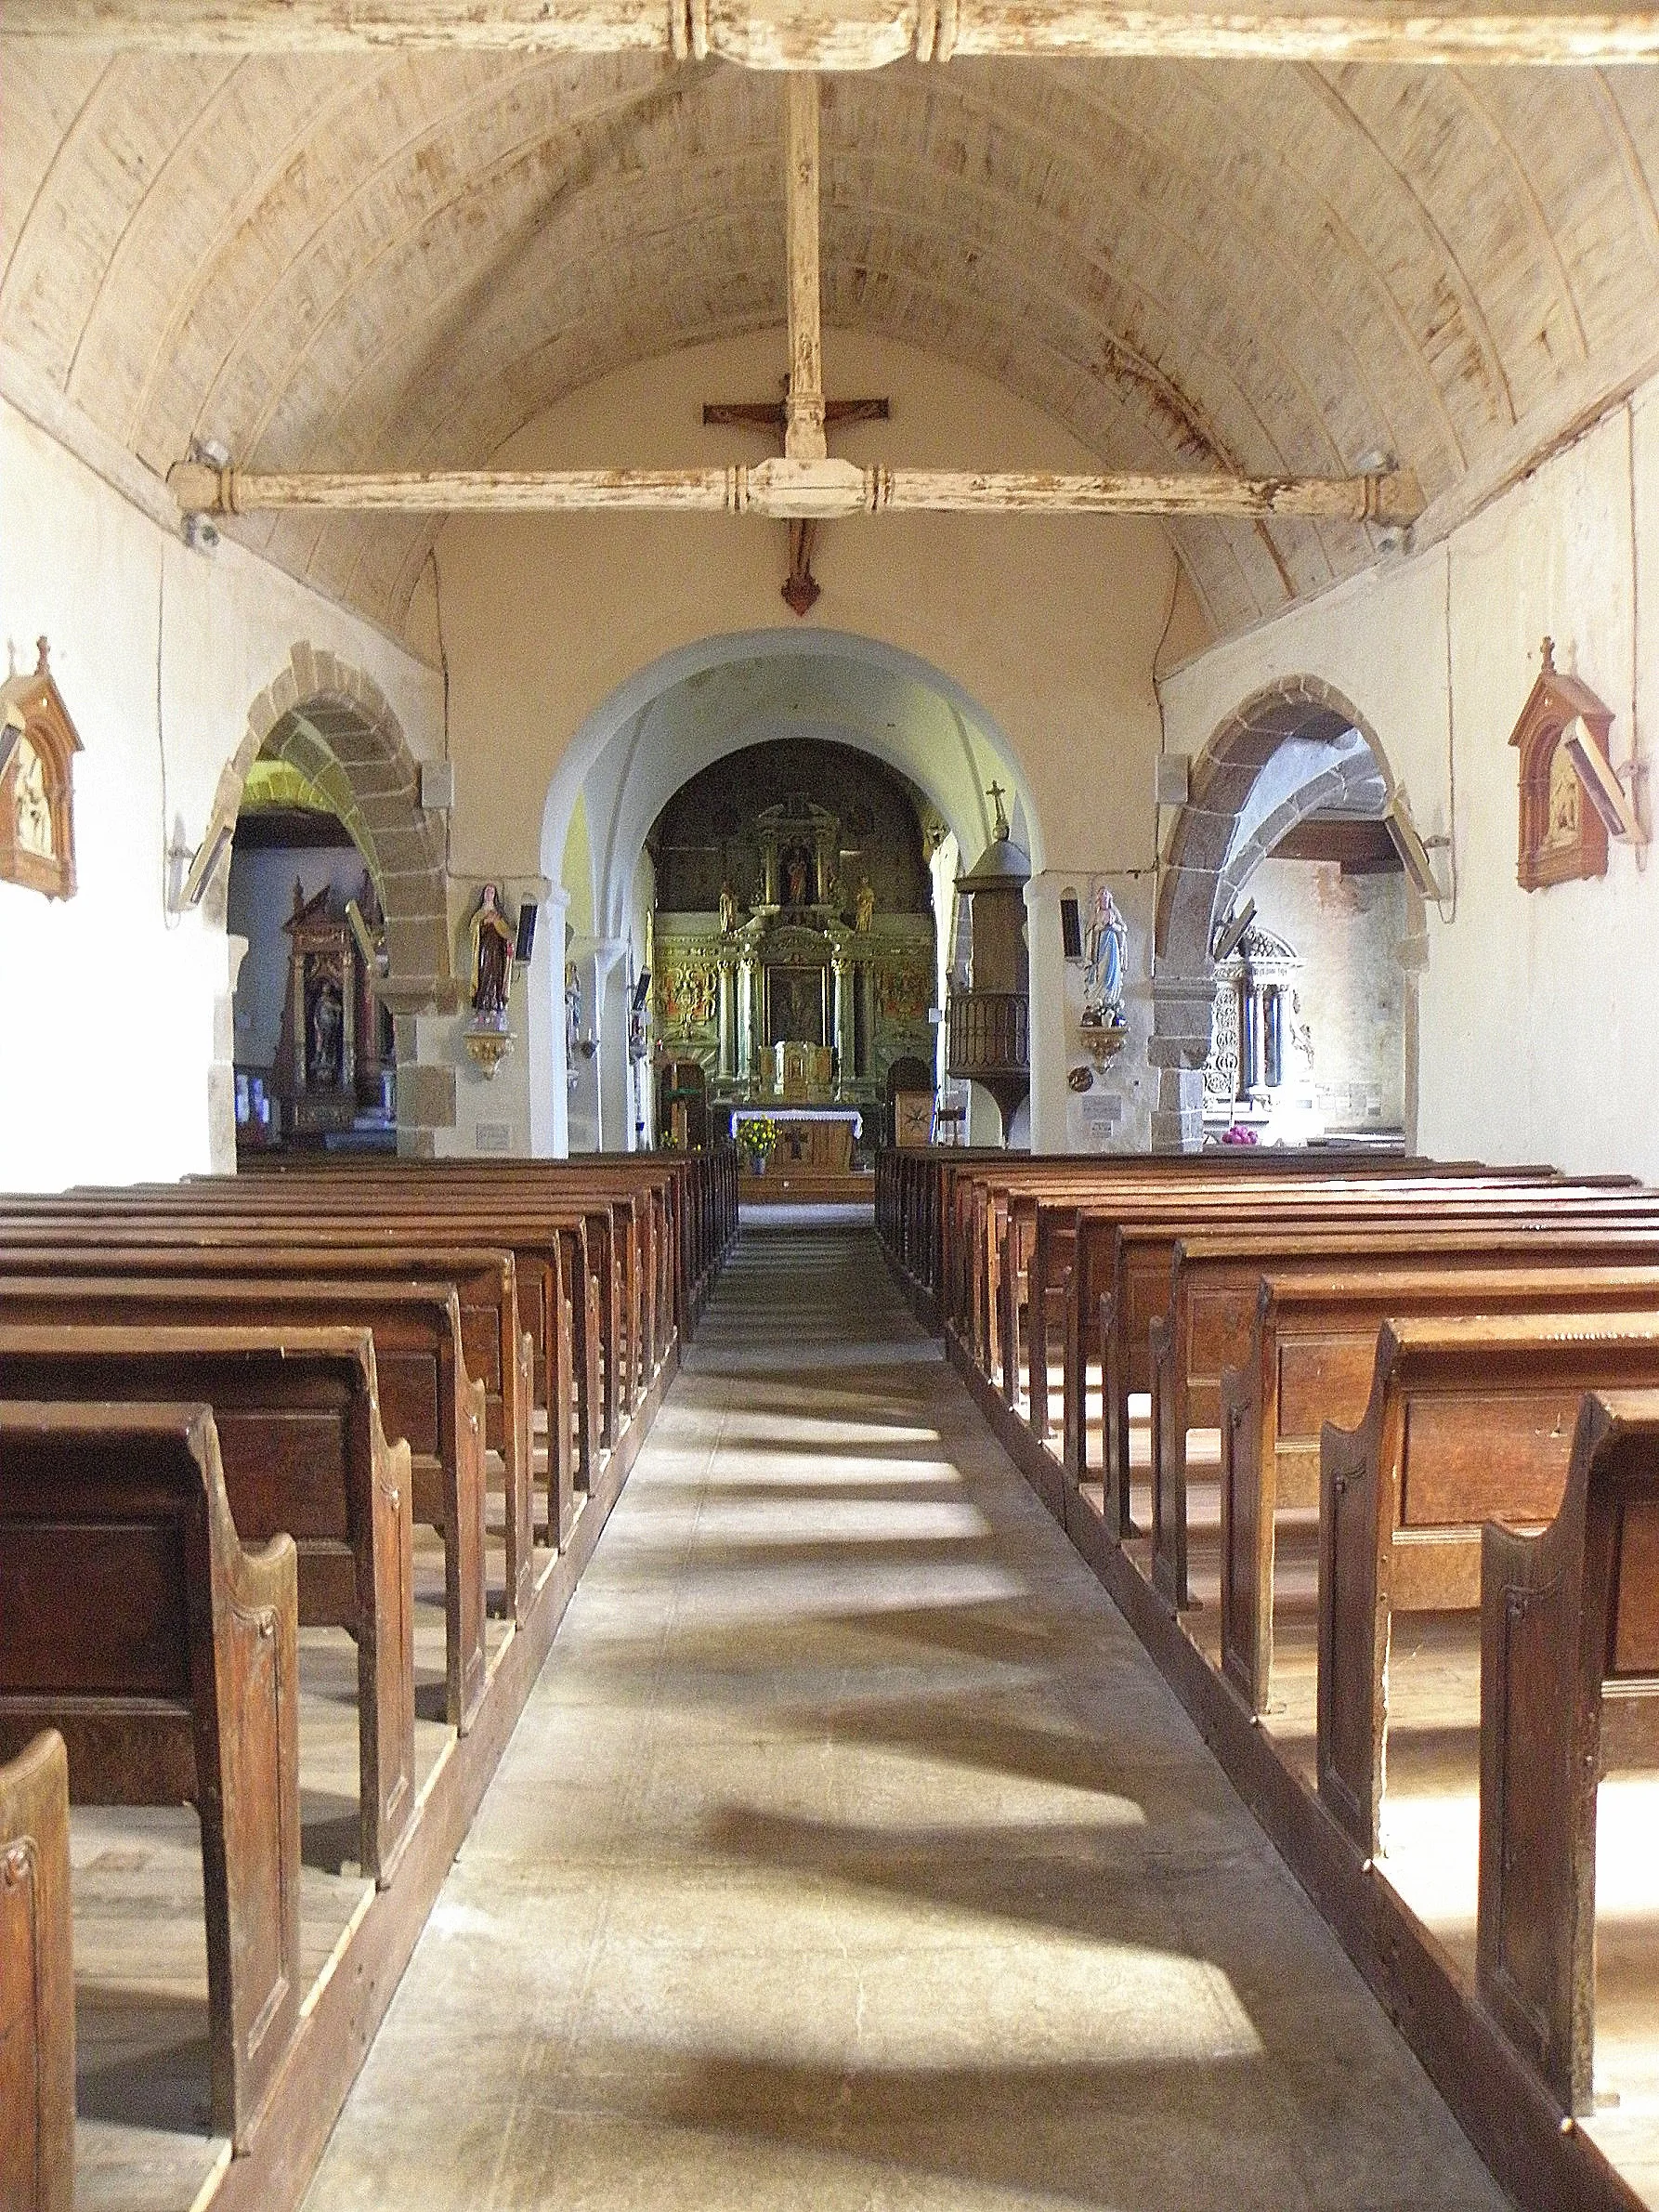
(325, 794)
(1289, 934)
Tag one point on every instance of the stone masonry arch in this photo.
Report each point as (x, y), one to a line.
(1287, 752)
(333, 723)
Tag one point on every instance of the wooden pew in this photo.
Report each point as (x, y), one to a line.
(1569, 1686)
(134, 1621)
(688, 1201)
(912, 1187)
(1060, 1222)
(427, 1396)
(1469, 1421)
(986, 1202)
(600, 1235)
(1205, 1326)
(37, 1983)
(1309, 1359)
(1031, 1235)
(303, 1454)
(985, 1195)
(496, 1348)
(558, 1248)
(550, 1247)
(1134, 1244)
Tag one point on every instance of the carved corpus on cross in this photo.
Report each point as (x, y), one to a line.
(803, 415)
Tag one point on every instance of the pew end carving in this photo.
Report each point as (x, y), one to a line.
(38, 1997)
(1569, 1686)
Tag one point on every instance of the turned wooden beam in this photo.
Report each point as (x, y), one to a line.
(794, 489)
(832, 34)
(804, 407)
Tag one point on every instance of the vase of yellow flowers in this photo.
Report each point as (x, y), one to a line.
(757, 1137)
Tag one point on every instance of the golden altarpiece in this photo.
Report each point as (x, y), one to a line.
(795, 1002)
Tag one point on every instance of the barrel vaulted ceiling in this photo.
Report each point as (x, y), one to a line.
(398, 259)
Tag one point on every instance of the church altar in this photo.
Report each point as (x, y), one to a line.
(794, 957)
(808, 1137)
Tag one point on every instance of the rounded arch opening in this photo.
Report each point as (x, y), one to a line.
(328, 727)
(674, 719)
(1295, 770)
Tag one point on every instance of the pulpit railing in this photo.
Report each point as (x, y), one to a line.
(989, 1033)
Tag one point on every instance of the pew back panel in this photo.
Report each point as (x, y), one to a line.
(1473, 1420)
(134, 1621)
(298, 1439)
(1311, 1357)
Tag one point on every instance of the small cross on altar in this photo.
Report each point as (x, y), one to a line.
(996, 794)
(801, 588)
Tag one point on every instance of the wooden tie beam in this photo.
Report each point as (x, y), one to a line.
(786, 489)
(805, 486)
(805, 34)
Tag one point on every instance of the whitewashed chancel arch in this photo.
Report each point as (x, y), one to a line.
(679, 715)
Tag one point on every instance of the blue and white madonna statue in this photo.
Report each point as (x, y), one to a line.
(1105, 965)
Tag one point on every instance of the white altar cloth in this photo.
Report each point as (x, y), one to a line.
(785, 1110)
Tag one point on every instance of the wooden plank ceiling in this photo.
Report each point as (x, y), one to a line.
(392, 259)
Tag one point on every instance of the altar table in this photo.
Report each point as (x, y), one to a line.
(808, 1136)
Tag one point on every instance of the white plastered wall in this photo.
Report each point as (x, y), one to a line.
(1538, 1020)
(116, 1014)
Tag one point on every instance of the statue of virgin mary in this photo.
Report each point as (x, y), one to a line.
(1105, 962)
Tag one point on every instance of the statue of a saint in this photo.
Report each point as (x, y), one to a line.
(1564, 798)
(864, 907)
(573, 1020)
(33, 807)
(492, 956)
(728, 911)
(1301, 1034)
(323, 1057)
(795, 879)
(1105, 956)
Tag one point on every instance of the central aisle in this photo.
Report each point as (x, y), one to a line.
(850, 1853)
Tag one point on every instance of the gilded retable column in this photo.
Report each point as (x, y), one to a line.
(725, 1062)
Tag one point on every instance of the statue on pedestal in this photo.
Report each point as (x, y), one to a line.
(492, 956)
(1107, 952)
(864, 907)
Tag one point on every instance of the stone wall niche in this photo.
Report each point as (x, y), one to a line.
(37, 826)
(1562, 836)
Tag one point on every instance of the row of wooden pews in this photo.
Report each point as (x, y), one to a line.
(298, 1473)
(1401, 1457)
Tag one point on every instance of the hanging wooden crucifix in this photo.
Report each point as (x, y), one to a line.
(803, 414)
(800, 587)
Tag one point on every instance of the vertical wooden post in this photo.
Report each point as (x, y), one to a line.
(803, 431)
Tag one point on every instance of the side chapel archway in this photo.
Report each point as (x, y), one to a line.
(334, 725)
(1289, 751)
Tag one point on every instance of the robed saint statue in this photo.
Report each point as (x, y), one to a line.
(492, 956)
